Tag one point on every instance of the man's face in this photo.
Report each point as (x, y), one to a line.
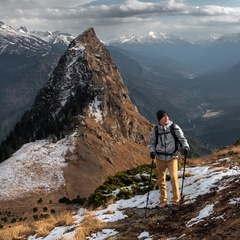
(164, 120)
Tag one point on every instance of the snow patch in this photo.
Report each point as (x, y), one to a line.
(95, 111)
(205, 212)
(144, 235)
(234, 201)
(104, 234)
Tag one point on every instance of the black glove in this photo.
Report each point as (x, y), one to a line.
(152, 155)
(186, 150)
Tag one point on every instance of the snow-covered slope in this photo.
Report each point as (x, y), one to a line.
(199, 182)
(37, 166)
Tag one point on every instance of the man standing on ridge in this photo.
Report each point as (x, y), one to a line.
(163, 145)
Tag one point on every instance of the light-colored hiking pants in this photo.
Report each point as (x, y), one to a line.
(172, 166)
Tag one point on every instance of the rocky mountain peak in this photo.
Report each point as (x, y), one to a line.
(23, 29)
(87, 95)
(85, 82)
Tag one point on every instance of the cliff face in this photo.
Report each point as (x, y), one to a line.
(87, 95)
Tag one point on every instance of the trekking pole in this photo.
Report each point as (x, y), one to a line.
(183, 177)
(149, 185)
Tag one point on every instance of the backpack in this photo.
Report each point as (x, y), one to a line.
(172, 131)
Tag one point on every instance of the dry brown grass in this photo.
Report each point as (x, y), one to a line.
(65, 219)
(225, 157)
(186, 174)
(195, 162)
(42, 227)
(90, 224)
(232, 152)
(16, 232)
(228, 151)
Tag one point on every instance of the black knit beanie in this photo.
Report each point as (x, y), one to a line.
(161, 113)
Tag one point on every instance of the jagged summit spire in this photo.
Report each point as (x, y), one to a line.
(23, 29)
(87, 34)
(83, 75)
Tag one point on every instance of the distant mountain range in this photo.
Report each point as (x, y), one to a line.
(161, 37)
(27, 60)
(197, 83)
(203, 54)
(190, 79)
(18, 40)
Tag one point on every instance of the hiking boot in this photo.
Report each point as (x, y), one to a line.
(162, 205)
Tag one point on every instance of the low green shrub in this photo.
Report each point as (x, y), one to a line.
(45, 209)
(53, 211)
(77, 200)
(135, 179)
(35, 209)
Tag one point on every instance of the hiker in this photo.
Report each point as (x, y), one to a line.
(164, 141)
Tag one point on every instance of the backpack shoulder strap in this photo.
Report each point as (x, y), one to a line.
(156, 134)
(172, 129)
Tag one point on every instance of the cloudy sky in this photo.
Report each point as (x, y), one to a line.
(112, 18)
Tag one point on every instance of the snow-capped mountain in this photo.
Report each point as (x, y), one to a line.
(197, 51)
(150, 38)
(157, 45)
(18, 40)
(55, 38)
(165, 38)
(221, 54)
(23, 30)
(27, 60)
(228, 39)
